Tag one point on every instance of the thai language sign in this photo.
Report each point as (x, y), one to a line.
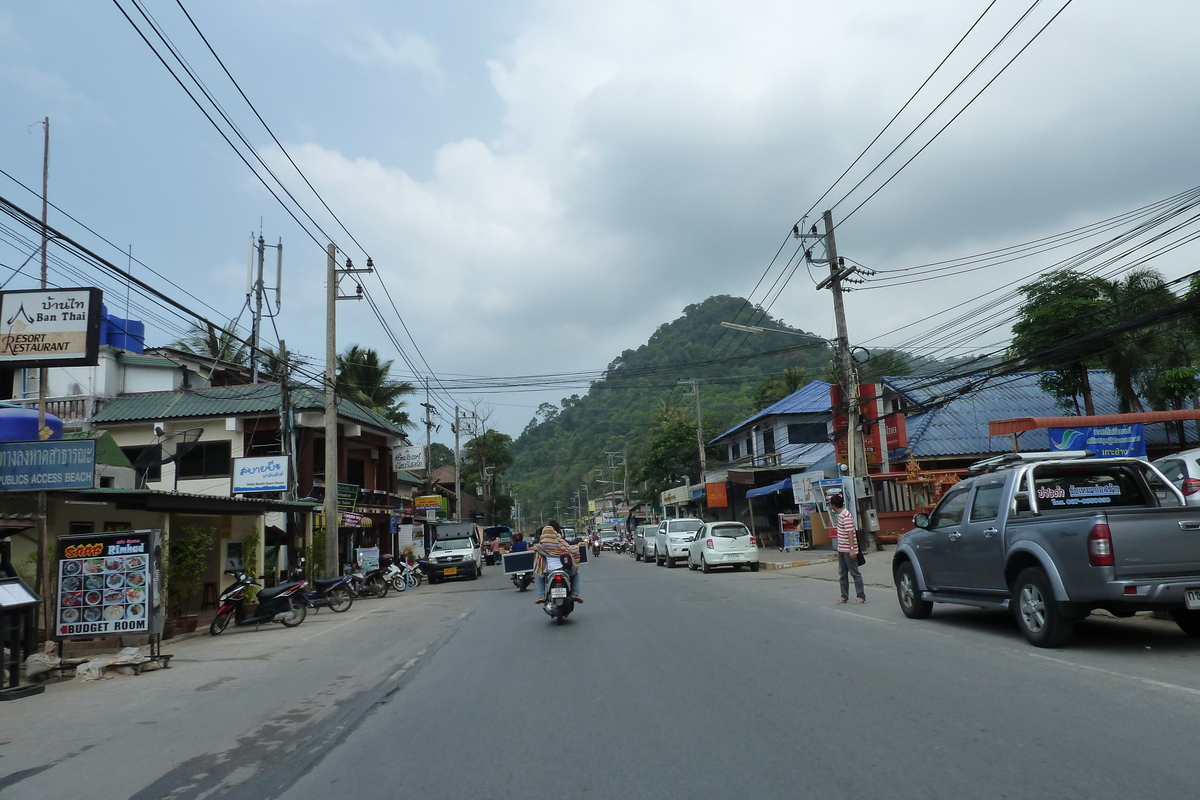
(1106, 441)
(58, 464)
(408, 458)
(109, 583)
(260, 474)
(50, 328)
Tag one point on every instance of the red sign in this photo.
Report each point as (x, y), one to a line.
(897, 432)
(717, 495)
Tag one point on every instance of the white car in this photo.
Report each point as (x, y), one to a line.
(723, 544)
(1183, 470)
(671, 540)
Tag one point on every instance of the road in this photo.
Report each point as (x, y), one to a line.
(664, 684)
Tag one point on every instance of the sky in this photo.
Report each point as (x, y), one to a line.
(541, 185)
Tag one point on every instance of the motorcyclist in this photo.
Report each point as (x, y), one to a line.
(519, 545)
(553, 552)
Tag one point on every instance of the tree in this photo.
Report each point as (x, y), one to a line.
(777, 387)
(486, 457)
(1131, 355)
(440, 455)
(1060, 307)
(204, 340)
(363, 378)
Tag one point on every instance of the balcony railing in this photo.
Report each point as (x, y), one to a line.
(761, 460)
(76, 411)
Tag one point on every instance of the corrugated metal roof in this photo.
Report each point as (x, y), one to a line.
(230, 401)
(810, 399)
(960, 426)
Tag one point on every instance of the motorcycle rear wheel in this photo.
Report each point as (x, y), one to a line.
(219, 623)
(340, 600)
(399, 584)
(298, 613)
(378, 586)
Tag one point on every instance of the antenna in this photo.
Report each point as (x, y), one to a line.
(250, 268)
(279, 277)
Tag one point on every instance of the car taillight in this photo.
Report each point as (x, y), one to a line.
(1190, 486)
(709, 544)
(1100, 547)
(753, 543)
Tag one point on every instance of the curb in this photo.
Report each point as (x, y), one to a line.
(790, 564)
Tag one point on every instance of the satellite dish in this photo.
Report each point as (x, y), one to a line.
(184, 441)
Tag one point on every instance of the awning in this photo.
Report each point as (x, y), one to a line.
(785, 484)
(1005, 427)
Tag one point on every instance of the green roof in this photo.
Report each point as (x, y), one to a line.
(107, 451)
(232, 401)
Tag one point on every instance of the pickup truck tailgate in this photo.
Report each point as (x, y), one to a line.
(1155, 543)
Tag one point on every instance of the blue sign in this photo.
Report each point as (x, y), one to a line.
(58, 464)
(1106, 441)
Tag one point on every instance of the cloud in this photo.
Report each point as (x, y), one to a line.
(404, 49)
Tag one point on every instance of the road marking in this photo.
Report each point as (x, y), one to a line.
(855, 615)
(1112, 673)
(400, 672)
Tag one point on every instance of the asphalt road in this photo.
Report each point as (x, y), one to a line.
(664, 684)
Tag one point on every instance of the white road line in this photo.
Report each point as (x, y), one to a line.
(847, 612)
(1135, 678)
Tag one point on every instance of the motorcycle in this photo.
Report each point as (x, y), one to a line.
(521, 580)
(403, 576)
(335, 593)
(596, 548)
(559, 603)
(365, 584)
(284, 603)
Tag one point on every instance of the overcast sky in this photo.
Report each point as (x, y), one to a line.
(542, 184)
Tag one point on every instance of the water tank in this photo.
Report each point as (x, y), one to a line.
(19, 424)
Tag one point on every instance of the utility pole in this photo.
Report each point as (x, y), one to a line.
(457, 467)
(856, 460)
(42, 584)
(695, 384)
(255, 287)
(333, 276)
(429, 410)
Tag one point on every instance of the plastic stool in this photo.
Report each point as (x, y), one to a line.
(209, 599)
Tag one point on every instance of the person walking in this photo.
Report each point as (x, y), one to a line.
(847, 550)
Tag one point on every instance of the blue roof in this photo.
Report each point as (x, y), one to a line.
(810, 399)
(960, 426)
(783, 485)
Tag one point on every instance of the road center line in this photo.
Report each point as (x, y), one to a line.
(1135, 678)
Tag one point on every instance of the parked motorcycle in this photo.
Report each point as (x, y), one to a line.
(332, 592)
(559, 603)
(284, 603)
(366, 584)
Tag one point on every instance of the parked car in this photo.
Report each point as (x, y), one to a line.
(643, 542)
(456, 552)
(672, 539)
(1051, 537)
(1183, 470)
(723, 544)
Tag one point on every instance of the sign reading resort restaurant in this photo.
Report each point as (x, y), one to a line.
(50, 328)
(58, 464)
(260, 474)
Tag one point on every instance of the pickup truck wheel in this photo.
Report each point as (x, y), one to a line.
(1037, 612)
(909, 594)
(1188, 621)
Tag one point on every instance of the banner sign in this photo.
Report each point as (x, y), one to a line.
(57, 464)
(407, 459)
(260, 474)
(50, 328)
(428, 501)
(109, 583)
(897, 430)
(716, 494)
(1106, 441)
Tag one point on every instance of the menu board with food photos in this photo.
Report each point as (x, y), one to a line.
(109, 583)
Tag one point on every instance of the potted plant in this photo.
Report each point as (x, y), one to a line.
(187, 554)
(250, 564)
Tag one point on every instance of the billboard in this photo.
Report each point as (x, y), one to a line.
(50, 327)
(260, 474)
(1106, 441)
(717, 495)
(57, 464)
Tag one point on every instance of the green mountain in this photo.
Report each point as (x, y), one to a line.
(563, 446)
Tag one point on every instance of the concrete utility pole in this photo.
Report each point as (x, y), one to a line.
(428, 406)
(699, 428)
(332, 522)
(856, 460)
(457, 467)
(42, 584)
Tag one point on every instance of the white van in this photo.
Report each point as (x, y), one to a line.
(672, 539)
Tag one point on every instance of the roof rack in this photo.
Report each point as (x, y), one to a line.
(1009, 459)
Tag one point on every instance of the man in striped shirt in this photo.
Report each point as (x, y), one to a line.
(847, 550)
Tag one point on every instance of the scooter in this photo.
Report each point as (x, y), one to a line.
(332, 592)
(369, 583)
(284, 603)
(521, 580)
(559, 603)
(402, 576)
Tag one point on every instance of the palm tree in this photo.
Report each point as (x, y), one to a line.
(1130, 355)
(204, 340)
(363, 378)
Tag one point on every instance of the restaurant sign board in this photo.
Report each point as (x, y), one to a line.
(50, 327)
(109, 583)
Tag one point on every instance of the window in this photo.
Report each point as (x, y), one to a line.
(950, 510)
(807, 433)
(356, 471)
(29, 382)
(769, 441)
(146, 463)
(986, 504)
(207, 460)
(1173, 469)
(1071, 486)
(735, 451)
(76, 527)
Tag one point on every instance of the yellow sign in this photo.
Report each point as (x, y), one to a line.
(428, 501)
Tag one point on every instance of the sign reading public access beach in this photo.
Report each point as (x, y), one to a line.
(50, 328)
(58, 464)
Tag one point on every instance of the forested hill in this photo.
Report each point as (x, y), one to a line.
(563, 446)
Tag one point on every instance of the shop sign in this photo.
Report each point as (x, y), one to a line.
(109, 583)
(408, 458)
(351, 520)
(50, 328)
(1106, 441)
(260, 474)
(368, 557)
(680, 494)
(58, 464)
(897, 430)
(347, 496)
(428, 501)
(716, 494)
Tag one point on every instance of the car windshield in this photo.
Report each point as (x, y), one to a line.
(684, 525)
(729, 531)
(452, 544)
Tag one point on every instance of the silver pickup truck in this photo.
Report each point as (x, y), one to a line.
(1054, 536)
